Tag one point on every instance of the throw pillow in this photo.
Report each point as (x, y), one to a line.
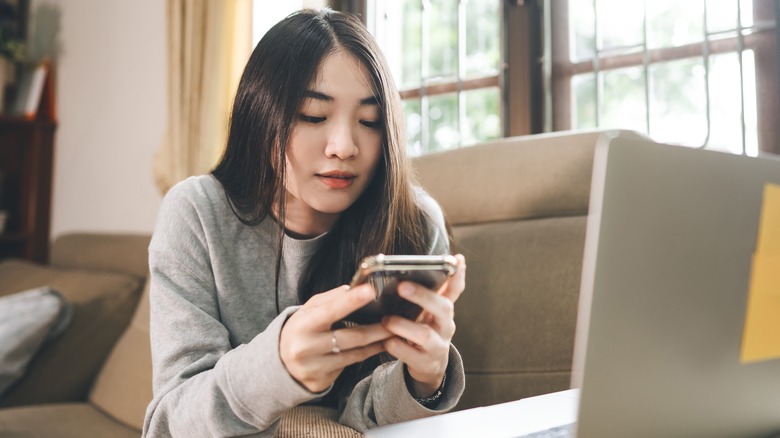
(27, 320)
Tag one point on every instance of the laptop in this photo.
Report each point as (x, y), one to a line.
(672, 234)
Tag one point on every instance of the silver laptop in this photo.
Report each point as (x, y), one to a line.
(671, 236)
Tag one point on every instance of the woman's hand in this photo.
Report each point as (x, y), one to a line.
(313, 353)
(424, 345)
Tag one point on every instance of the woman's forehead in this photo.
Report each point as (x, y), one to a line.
(341, 71)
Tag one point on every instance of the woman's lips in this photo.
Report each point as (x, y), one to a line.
(337, 179)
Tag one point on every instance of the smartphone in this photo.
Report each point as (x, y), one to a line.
(384, 272)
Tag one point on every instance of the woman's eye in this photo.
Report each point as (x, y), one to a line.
(373, 124)
(311, 119)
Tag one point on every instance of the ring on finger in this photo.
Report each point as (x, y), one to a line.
(334, 346)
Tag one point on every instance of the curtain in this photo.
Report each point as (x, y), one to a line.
(209, 42)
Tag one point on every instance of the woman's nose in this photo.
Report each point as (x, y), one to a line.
(341, 142)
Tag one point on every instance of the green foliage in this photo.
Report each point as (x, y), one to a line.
(11, 41)
(450, 121)
(673, 103)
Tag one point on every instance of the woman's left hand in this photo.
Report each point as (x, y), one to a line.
(424, 345)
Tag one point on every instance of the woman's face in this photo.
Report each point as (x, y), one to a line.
(335, 146)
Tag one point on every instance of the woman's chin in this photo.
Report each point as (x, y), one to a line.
(334, 205)
(333, 209)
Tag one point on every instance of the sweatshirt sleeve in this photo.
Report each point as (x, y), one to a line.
(383, 398)
(202, 385)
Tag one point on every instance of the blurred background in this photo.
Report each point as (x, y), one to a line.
(699, 73)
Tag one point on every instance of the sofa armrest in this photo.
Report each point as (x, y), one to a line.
(103, 302)
(117, 253)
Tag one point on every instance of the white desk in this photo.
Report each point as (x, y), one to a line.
(511, 419)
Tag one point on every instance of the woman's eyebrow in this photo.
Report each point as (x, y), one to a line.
(311, 94)
(317, 95)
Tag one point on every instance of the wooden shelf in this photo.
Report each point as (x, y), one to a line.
(26, 160)
(13, 237)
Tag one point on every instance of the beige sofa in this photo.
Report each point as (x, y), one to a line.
(94, 378)
(518, 209)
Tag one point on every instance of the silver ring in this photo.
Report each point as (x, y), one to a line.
(334, 346)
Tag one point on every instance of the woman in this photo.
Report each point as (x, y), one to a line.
(314, 178)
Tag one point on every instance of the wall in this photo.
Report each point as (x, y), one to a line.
(111, 104)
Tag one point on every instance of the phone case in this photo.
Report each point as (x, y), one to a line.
(384, 272)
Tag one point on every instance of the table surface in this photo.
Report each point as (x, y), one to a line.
(511, 419)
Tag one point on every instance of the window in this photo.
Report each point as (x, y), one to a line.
(698, 73)
(446, 60)
(701, 73)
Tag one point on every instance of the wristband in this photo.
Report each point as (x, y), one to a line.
(431, 401)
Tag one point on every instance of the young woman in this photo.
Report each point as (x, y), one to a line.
(314, 178)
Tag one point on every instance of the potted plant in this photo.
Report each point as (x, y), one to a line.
(11, 45)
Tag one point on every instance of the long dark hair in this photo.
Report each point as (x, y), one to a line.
(386, 218)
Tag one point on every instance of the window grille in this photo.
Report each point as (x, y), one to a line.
(683, 72)
(446, 60)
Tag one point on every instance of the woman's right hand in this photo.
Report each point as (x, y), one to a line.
(313, 353)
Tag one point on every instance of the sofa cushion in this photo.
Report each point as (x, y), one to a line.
(516, 319)
(65, 420)
(120, 253)
(27, 320)
(522, 178)
(102, 306)
(128, 371)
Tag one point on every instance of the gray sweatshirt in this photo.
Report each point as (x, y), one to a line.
(215, 330)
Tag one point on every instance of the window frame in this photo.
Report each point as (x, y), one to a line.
(534, 78)
(520, 75)
(763, 42)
